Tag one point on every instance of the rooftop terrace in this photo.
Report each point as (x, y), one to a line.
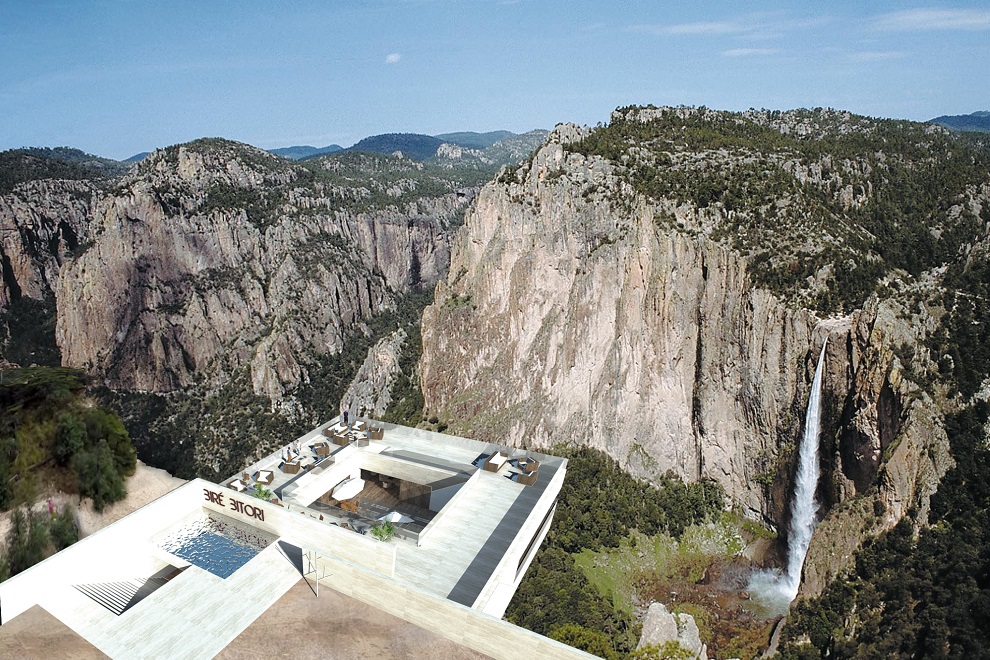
(461, 525)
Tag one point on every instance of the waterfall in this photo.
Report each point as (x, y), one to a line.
(804, 508)
(776, 589)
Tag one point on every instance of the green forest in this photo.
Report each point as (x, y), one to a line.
(924, 597)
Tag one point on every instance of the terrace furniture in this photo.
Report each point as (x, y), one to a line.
(341, 440)
(376, 432)
(529, 478)
(359, 425)
(265, 477)
(238, 485)
(528, 464)
(322, 449)
(495, 461)
(291, 468)
(363, 442)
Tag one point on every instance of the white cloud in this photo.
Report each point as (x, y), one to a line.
(712, 28)
(392, 58)
(876, 56)
(749, 52)
(764, 25)
(934, 19)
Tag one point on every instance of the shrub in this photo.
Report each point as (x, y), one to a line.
(383, 531)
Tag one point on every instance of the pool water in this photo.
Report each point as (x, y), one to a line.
(216, 545)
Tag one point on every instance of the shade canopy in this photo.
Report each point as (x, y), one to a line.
(348, 489)
(396, 517)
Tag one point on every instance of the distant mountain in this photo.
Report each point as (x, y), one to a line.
(412, 145)
(33, 163)
(305, 151)
(975, 122)
(108, 166)
(138, 157)
(416, 146)
(473, 140)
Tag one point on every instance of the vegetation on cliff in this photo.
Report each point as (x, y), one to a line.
(826, 205)
(51, 434)
(599, 506)
(32, 164)
(915, 597)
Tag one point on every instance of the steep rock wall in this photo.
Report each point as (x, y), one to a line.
(567, 318)
(41, 223)
(176, 290)
(575, 312)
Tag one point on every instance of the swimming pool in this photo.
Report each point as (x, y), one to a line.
(216, 545)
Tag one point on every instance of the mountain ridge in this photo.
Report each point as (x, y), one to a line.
(978, 121)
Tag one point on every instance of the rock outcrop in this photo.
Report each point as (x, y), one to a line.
(661, 627)
(370, 393)
(41, 223)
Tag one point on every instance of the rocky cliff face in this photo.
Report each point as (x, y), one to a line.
(223, 296)
(580, 310)
(567, 319)
(370, 393)
(212, 257)
(42, 223)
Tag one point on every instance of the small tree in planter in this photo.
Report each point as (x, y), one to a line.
(384, 531)
(262, 493)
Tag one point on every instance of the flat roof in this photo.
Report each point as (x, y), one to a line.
(465, 546)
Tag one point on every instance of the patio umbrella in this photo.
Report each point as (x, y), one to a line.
(396, 517)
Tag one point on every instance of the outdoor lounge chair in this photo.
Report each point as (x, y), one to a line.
(376, 433)
(496, 461)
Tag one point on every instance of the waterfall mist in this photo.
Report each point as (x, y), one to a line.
(777, 589)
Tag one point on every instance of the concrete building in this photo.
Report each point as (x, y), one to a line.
(185, 575)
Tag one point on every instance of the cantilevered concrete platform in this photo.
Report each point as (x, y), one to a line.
(476, 547)
(454, 578)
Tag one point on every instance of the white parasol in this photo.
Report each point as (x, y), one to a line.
(396, 517)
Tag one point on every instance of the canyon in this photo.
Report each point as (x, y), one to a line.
(660, 296)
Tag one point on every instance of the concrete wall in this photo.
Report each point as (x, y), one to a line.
(293, 524)
(495, 597)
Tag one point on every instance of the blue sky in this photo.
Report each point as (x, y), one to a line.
(115, 77)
